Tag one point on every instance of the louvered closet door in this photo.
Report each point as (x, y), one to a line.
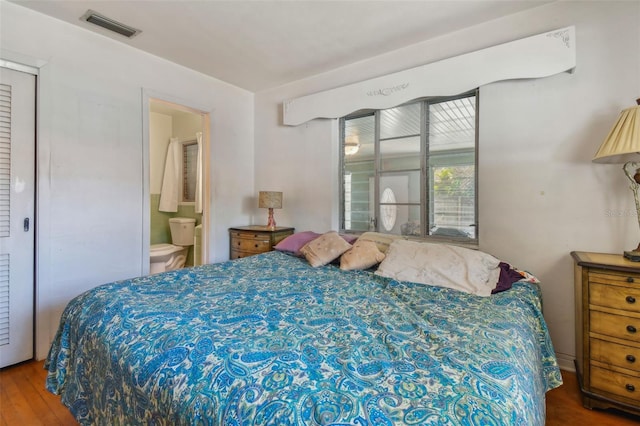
(17, 199)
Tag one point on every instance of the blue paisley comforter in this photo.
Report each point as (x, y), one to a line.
(268, 340)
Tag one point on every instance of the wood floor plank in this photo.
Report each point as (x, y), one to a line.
(35, 398)
(37, 376)
(17, 400)
(8, 413)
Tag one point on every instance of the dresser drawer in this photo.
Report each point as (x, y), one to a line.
(615, 354)
(615, 325)
(623, 385)
(616, 297)
(614, 277)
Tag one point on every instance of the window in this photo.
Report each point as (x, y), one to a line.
(189, 171)
(412, 169)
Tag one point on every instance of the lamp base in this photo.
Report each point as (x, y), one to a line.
(633, 255)
(271, 224)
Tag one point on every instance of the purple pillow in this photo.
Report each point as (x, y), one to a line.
(508, 276)
(293, 243)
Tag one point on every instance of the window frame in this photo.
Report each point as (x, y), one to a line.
(426, 172)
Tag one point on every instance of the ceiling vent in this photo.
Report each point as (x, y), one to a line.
(109, 24)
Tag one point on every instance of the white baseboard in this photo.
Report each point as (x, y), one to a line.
(566, 362)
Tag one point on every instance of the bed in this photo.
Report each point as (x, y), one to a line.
(271, 340)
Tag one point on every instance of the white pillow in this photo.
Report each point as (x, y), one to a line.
(442, 265)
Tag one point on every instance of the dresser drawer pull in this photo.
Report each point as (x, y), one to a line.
(630, 299)
(630, 387)
(631, 329)
(631, 358)
(256, 245)
(629, 279)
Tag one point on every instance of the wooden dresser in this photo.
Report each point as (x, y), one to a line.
(607, 296)
(249, 240)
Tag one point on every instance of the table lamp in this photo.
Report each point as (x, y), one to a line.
(622, 145)
(270, 200)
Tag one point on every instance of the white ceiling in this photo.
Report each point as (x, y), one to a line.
(258, 45)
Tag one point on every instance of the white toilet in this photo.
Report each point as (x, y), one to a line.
(167, 257)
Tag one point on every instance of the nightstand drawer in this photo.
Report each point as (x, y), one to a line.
(623, 385)
(235, 254)
(249, 236)
(622, 327)
(614, 354)
(255, 245)
(616, 297)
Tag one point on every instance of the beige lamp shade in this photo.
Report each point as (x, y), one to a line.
(270, 200)
(351, 145)
(623, 142)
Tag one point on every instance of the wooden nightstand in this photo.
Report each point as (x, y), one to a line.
(607, 290)
(249, 240)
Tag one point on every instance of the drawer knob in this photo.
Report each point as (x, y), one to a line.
(238, 242)
(629, 279)
(630, 299)
(631, 329)
(256, 245)
(631, 358)
(630, 387)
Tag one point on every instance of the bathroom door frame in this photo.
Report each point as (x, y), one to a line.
(187, 106)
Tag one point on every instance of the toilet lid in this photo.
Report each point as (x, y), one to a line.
(162, 249)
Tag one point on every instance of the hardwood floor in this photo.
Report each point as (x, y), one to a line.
(25, 402)
(564, 407)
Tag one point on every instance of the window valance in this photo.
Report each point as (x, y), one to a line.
(537, 56)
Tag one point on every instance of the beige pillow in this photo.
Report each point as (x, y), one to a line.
(363, 255)
(324, 249)
(471, 271)
(383, 241)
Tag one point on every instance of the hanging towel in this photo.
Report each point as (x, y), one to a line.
(171, 178)
(199, 174)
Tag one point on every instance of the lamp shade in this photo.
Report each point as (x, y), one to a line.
(270, 200)
(351, 145)
(623, 142)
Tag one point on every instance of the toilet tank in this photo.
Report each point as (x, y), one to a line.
(182, 231)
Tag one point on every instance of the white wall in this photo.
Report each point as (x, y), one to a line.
(540, 195)
(92, 191)
(160, 132)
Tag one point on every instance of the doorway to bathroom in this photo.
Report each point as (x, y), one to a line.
(178, 185)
